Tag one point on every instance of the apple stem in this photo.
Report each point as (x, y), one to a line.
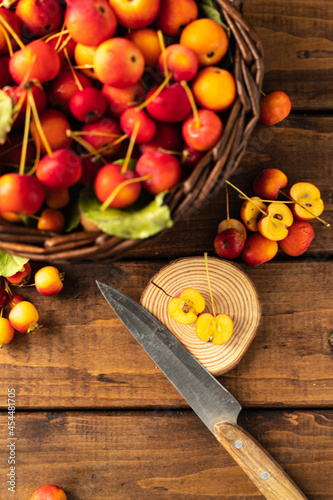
(25, 137)
(58, 35)
(209, 287)
(18, 106)
(37, 158)
(327, 224)
(267, 201)
(263, 93)
(76, 78)
(229, 225)
(189, 93)
(64, 44)
(247, 198)
(162, 45)
(120, 186)
(93, 133)
(12, 32)
(169, 152)
(6, 37)
(38, 124)
(155, 94)
(130, 146)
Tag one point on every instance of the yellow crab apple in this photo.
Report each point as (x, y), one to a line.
(49, 492)
(216, 329)
(274, 225)
(185, 307)
(251, 211)
(135, 13)
(268, 183)
(307, 195)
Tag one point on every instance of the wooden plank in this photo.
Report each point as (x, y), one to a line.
(296, 37)
(160, 455)
(300, 147)
(84, 357)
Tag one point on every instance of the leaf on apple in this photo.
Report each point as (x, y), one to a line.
(131, 164)
(6, 109)
(11, 264)
(137, 221)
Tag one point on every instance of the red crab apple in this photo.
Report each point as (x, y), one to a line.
(21, 277)
(164, 168)
(90, 22)
(274, 107)
(63, 87)
(118, 62)
(5, 78)
(216, 329)
(88, 105)
(167, 136)
(174, 15)
(38, 60)
(10, 18)
(49, 492)
(54, 125)
(190, 158)
(185, 307)
(181, 61)
(230, 240)
(258, 250)
(202, 132)
(308, 195)
(235, 224)
(268, 183)
(23, 194)
(109, 178)
(147, 127)
(62, 169)
(170, 105)
(39, 17)
(102, 134)
(57, 43)
(121, 99)
(299, 238)
(38, 94)
(135, 13)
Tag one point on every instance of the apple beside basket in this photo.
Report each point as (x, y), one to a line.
(204, 182)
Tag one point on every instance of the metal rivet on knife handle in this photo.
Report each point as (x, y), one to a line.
(239, 445)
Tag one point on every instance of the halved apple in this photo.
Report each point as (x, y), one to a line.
(185, 308)
(274, 225)
(216, 329)
(307, 195)
(251, 211)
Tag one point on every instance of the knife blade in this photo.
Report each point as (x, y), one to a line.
(213, 404)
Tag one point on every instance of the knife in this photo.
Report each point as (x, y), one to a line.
(213, 404)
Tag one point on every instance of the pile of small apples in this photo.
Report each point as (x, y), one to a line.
(97, 81)
(271, 223)
(23, 315)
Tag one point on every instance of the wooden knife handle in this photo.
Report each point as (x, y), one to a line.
(256, 462)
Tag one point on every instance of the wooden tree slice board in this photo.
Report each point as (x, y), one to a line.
(233, 294)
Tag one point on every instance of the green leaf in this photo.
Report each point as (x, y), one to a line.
(10, 264)
(131, 164)
(136, 222)
(6, 109)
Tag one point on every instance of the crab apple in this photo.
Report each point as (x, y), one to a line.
(186, 306)
(22, 194)
(299, 238)
(268, 183)
(63, 87)
(171, 105)
(49, 492)
(207, 39)
(90, 167)
(135, 13)
(38, 94)
(147, 127)
(39, 17)
(5, 78)
(204, 131)
(57, 198)
(6, 331)
(174, 15)
(190, 158)
(229, 243)
(62, 169)
(4, 298)
(102, 134)
(15, 299)
(121, 99)
(168, 137)
(24, 317)
(118, 62)
(214, 88)
(38, 60)
(69, 48)
(84, 56)
(307, 195)
(165, 171)
(258, 250)
(216, 329)
(275, 224)
(48, 281)
(109, 178)
(181, 61)
(54, 125)
(21, 277)
(11, 151)
(274, 107)
(147, 41)
(10, 18)
(11, 217)
(51, 219)
(235, 224)
(88, 105)
(90, 22)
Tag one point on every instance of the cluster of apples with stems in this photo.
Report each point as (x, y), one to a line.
(188, 307)
(109, 74)
(271, 223)
(23, 315)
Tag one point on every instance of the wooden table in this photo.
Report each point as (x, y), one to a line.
(95, 416)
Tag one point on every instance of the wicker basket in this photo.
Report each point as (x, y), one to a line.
(203, 183)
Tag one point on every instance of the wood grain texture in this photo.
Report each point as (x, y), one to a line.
(157, 455)
(298, 48)
(84, 357)
(233, 294)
